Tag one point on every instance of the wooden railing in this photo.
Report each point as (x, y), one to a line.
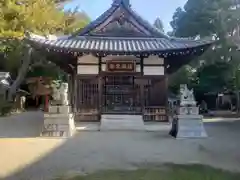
(158, 114)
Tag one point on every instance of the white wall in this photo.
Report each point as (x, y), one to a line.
(120, 58)
(148, 70)
(153, 60)
(88, 59)
(87, 69)
(153, 70)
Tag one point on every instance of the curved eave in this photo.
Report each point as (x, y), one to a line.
(123, 46)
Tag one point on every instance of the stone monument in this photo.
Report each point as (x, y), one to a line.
(59, 120)
(190, 123)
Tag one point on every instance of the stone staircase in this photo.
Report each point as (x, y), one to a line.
(122, 123)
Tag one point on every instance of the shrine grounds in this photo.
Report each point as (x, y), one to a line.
(25, 156)
(166, 172)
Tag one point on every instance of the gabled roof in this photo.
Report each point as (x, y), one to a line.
(120, 31)
(120, 16)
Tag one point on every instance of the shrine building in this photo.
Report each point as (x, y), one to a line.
(119, 64)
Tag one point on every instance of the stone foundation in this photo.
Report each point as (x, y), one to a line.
(191, 126)
(189, 122)
(58, 122)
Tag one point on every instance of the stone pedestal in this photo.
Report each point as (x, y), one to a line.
(58, 122)
(191, 126)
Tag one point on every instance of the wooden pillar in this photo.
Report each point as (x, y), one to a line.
(142, 65)
(37, 100)
(70, 92)
(166, 86)
(100, 91)
(46, 103)
(74, 91)
(142, 85)
(74, 85)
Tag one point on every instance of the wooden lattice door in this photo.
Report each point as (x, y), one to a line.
(155, 100)
(87, 102)
(121, 95)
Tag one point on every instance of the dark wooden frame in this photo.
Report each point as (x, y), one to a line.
(139, 75)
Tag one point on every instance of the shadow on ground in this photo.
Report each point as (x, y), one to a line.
(92, 151)
(24, 125)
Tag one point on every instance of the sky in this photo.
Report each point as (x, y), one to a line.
(148, 9)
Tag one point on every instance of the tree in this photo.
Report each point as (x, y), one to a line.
(182, 76)
(159, 24)
(217, 19)
(42, 17)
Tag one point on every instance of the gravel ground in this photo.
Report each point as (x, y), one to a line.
(24, 156)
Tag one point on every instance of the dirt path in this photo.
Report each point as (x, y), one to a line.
(37, 159)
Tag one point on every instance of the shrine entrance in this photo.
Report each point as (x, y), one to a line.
(121, 94)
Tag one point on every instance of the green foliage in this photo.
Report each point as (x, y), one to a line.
(182, 76)
(46, 71)
(159, 24)
(203, 18)
(208, 78)
(218, 68)
(41, 17)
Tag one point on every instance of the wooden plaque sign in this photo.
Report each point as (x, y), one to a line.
(121, 66)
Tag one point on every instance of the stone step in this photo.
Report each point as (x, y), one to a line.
(122, 122)
(121, 117)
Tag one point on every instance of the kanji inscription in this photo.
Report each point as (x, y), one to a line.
(118, 66)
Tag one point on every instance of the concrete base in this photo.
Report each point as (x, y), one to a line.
(58, 125)
(191, 126)
(122, 122)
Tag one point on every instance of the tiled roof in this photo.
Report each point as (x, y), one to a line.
(116, 44)
(151, 41)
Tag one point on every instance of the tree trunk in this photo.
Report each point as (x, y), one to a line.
(21, 73)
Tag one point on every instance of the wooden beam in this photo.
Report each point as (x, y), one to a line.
(142, 65)
(99, 64)
(100, 95)
(75, 96)
(100, 88)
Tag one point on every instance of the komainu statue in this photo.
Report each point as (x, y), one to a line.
(187, 97)
(60, 93)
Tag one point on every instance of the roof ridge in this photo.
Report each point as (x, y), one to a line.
(91, 25)
(125, 4)
(145, 22)
(118, 2)
(123, 38)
